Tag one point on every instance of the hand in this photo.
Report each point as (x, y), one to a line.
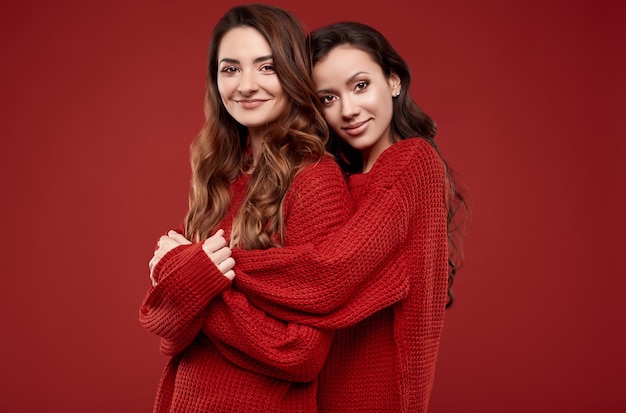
(165, 244)
(218, 251)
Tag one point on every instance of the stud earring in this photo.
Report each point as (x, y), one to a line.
(398, 93)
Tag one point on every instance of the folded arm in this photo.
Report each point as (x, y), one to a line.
(316, 205)
(175, 307)
(351, 275)
(256, 341)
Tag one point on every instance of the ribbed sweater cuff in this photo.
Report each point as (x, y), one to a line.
(196, 272)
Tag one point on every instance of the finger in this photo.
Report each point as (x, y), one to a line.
(219, 235)
(160, 253)
(151, 264)
(220, 255)
(214, 243)
(164, 241)
(178, 237)
(226, 265)
(230, 275)
(167, 243)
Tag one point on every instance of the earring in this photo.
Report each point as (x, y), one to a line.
(398, 93)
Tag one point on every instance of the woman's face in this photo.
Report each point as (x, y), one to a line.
(246, 79)
(357, 99)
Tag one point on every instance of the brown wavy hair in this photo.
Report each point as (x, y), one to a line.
(408, 121)
(219, 153)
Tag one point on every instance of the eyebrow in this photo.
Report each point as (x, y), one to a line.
(350, 80)
(257, 60)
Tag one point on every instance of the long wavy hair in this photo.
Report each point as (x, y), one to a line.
(408, 121)
(219, 154)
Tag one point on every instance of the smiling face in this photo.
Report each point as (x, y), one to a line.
(247, 81)
(357, 99)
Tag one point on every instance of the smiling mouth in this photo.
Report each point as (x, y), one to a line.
(250, 103)
(356, 128)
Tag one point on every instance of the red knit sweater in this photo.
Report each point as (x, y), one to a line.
(386, 363)
(381, 279)
(277, 372)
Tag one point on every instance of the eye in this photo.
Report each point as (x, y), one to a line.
(228, 69)
(327, 99)
(267, 67)
(361, 85)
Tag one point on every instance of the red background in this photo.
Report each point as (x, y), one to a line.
(100, 100)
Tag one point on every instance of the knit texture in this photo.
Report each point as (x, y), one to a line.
(381, 279)
(227, 371)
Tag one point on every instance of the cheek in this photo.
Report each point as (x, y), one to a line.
(332, 116)
(275, 88)
(373, 102)
(224, 87)
(382, 105)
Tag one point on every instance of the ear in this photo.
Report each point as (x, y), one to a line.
(394, 84)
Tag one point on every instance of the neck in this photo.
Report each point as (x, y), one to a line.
(371, 154)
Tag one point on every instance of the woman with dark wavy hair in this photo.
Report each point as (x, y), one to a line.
(261, 177)
(384, 139)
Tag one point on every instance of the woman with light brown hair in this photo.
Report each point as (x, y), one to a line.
(261, 178)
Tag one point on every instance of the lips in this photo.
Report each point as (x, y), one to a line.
(250, 103)
(355, 129)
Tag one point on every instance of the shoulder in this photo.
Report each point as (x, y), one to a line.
(317, 202)
(324, 165)
(324, 171)
(320, 179)
(412, 159)
(410, 151)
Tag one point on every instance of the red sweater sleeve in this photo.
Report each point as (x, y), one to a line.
(318, 203)
(174, 309)
(256, 341)
(335, 285)
(357, 271)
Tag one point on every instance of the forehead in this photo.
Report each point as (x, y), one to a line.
(242, 43)
(344, 61)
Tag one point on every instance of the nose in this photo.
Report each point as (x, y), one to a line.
(349, 108)
(247, 83)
